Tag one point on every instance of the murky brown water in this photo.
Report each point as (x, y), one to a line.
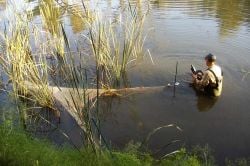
(183, 31)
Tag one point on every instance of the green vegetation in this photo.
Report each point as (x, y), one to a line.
(238, 162)
(18, 148)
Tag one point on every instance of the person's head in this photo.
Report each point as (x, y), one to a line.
(210, 59)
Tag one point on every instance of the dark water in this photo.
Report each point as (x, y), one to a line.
(182, 31)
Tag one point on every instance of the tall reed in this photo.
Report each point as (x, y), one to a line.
(22, 68)
(51, 15)
(116, 44)
(82, 104)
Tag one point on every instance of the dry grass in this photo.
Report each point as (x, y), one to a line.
(51, 16)
(21, 66)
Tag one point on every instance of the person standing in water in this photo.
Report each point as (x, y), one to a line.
(212, 79)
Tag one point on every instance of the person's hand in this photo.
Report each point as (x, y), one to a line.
(194, 76)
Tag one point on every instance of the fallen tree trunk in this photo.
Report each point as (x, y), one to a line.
(72, 99)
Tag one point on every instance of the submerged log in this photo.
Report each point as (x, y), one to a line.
(72, 99)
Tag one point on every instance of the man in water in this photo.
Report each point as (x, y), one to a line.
(211, 81)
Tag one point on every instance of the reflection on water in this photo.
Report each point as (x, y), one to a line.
(205, 103)
(230, 14)
(2, 5)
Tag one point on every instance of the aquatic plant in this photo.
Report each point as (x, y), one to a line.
(51, 15)
(116, 44)
(21, 67)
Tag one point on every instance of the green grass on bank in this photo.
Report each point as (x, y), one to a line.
(17, 148)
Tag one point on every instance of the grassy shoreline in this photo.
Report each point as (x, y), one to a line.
(18, 148)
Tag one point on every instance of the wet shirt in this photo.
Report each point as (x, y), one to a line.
(209, 79)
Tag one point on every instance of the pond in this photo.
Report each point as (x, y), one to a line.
(181, 31)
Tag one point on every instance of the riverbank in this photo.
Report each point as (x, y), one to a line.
(18, 148)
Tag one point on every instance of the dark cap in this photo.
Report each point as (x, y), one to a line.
(210, 57)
